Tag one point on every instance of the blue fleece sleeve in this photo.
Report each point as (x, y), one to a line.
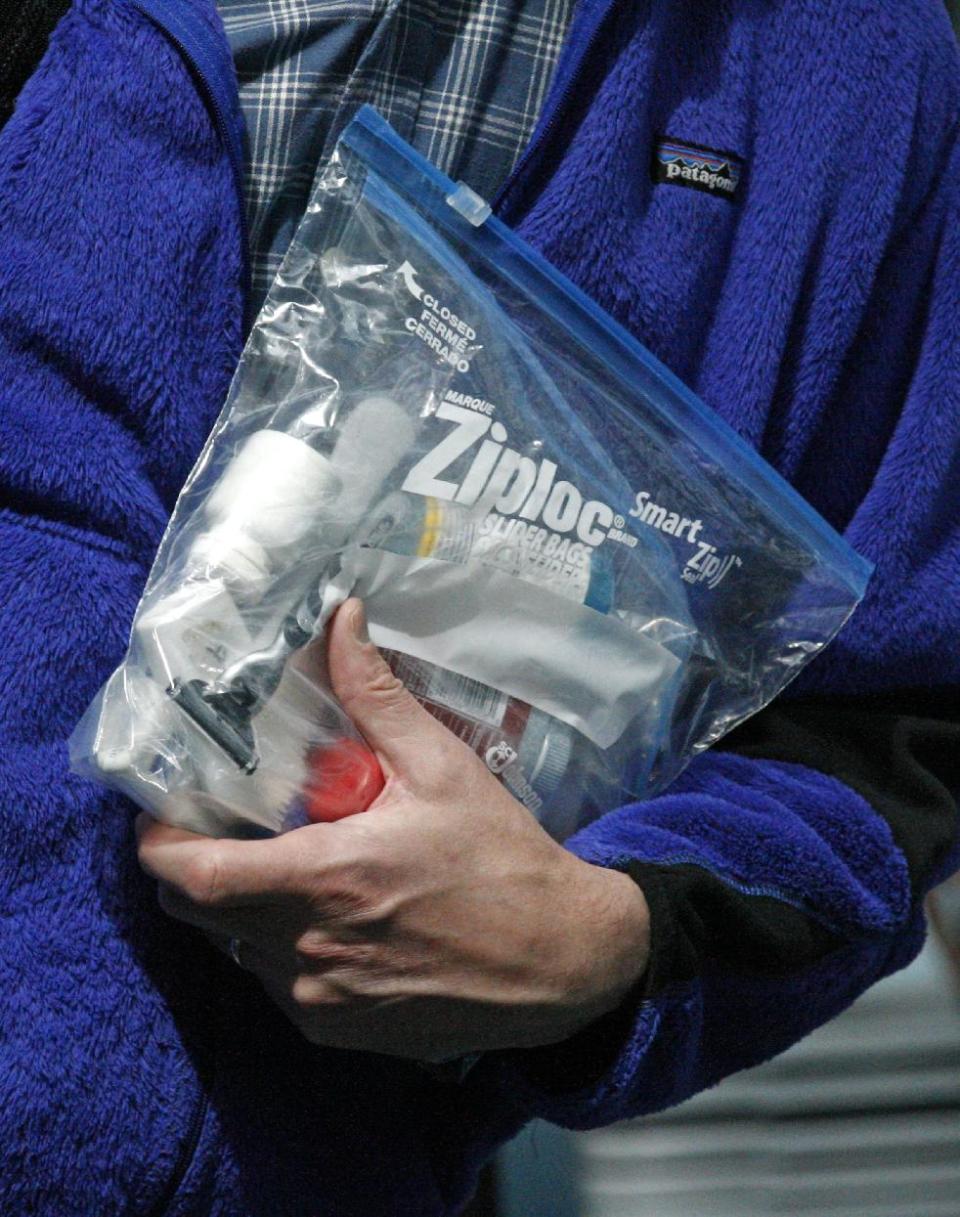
(778, 893)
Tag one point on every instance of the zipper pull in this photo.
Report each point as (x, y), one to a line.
(474, 209)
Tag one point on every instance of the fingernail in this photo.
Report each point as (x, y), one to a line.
(358, 623)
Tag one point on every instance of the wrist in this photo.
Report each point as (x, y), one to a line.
(598, 956)
(610, 943)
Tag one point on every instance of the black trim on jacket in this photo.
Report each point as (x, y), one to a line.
(25, 29)
(899, 751)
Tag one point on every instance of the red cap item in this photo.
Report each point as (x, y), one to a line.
(343, 779)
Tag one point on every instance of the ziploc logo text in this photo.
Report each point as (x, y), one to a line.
(501, 479)
(705, 565)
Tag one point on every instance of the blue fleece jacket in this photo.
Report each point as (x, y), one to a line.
(818, 311)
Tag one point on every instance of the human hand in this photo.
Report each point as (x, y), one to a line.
(441, 921)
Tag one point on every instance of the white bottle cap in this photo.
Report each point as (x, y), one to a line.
(375, 436)
(231, 553)
(274, 491)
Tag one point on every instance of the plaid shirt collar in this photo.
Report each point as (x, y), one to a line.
(462, 80)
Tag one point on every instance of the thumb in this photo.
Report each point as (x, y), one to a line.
(390, 718)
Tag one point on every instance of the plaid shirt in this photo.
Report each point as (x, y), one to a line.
(461, 80)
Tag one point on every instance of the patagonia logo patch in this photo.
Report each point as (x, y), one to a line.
(682, 164)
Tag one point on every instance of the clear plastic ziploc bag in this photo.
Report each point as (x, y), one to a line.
(566, 557)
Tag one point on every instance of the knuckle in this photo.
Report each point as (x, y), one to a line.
(381, 688)
(314, 948)
(322, 954)
(146, 857)
(350, 892)
(310, 994)
(201, 880)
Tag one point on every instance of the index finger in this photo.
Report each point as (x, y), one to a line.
(217, 872)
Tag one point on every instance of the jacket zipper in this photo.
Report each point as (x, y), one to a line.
(571, 65)
(188, 1150)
